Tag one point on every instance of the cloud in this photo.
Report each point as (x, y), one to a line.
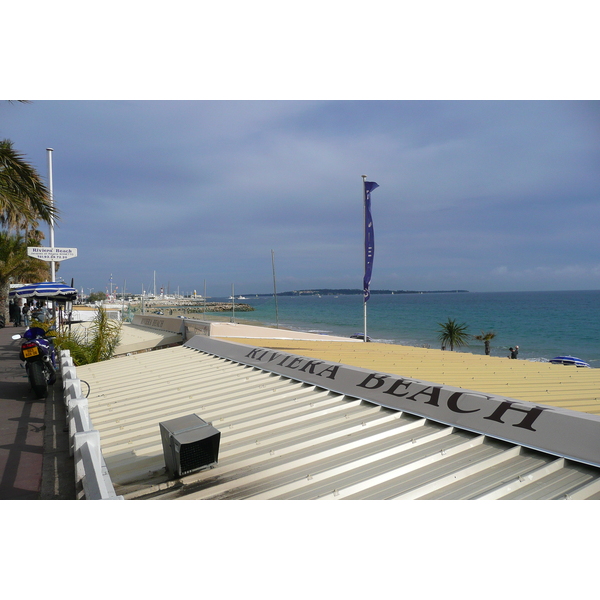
(544, 277)
(473, 195)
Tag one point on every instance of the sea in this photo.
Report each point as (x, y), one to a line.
(542, 324)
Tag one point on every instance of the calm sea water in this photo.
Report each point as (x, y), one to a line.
(542, 324)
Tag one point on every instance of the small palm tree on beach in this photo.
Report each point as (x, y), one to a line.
(453, 333)
(486, 338)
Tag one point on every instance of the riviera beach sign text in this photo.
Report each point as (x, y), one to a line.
(393, 389)
(564, 433)
(51, 254)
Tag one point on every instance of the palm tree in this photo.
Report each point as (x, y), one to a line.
(486, 338)
(23, 196)
(453, 333)
(24, 200)
(16, 266)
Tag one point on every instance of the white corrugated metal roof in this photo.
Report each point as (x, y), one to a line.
(282, 438)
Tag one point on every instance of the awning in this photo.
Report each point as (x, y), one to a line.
(47, 290)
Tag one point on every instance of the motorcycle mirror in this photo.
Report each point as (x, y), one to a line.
(16, 337)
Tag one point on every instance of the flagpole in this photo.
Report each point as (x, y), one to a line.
(50, 189)
(364, 178)
(368, 187)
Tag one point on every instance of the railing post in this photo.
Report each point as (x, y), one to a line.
(84, 442)
(72, 390)
(78, 417)
(92, 438)
(88, 464)
(68, 373)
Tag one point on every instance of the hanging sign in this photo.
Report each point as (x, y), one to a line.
(51, 254)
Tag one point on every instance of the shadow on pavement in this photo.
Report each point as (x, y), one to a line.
(34, 452)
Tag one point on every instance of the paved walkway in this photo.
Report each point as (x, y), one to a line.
(34, 453)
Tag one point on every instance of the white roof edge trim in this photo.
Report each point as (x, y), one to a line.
(569, 434)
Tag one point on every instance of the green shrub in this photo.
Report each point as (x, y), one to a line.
(96, 343)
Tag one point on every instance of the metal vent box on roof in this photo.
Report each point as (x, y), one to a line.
(189, 444)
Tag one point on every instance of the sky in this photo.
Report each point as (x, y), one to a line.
(187, 153)
(476, 195)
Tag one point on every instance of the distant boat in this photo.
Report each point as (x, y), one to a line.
(569, 360)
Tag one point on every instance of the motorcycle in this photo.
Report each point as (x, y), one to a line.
(39, 356)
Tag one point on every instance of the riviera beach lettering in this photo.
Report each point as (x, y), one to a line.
(310, 366)
(431, 395)
(481, 406)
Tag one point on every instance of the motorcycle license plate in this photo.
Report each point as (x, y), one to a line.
(29, 352)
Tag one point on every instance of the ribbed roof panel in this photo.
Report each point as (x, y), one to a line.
(285, 439)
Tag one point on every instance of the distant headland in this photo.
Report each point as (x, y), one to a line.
(354, 292)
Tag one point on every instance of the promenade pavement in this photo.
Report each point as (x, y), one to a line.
(34, 452)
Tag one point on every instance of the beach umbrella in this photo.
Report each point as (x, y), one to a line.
(47, 290)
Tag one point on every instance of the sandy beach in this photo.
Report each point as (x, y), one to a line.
(539, 382)
(543, 383)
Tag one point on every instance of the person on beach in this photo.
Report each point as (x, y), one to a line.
(513, 353)
(516, 351)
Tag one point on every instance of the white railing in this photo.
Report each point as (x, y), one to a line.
(91, 473)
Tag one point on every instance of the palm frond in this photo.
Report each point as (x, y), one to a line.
(23, 195)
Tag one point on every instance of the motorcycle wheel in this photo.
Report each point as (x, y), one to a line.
(37, 379)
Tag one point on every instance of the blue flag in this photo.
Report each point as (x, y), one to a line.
(369, 238)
